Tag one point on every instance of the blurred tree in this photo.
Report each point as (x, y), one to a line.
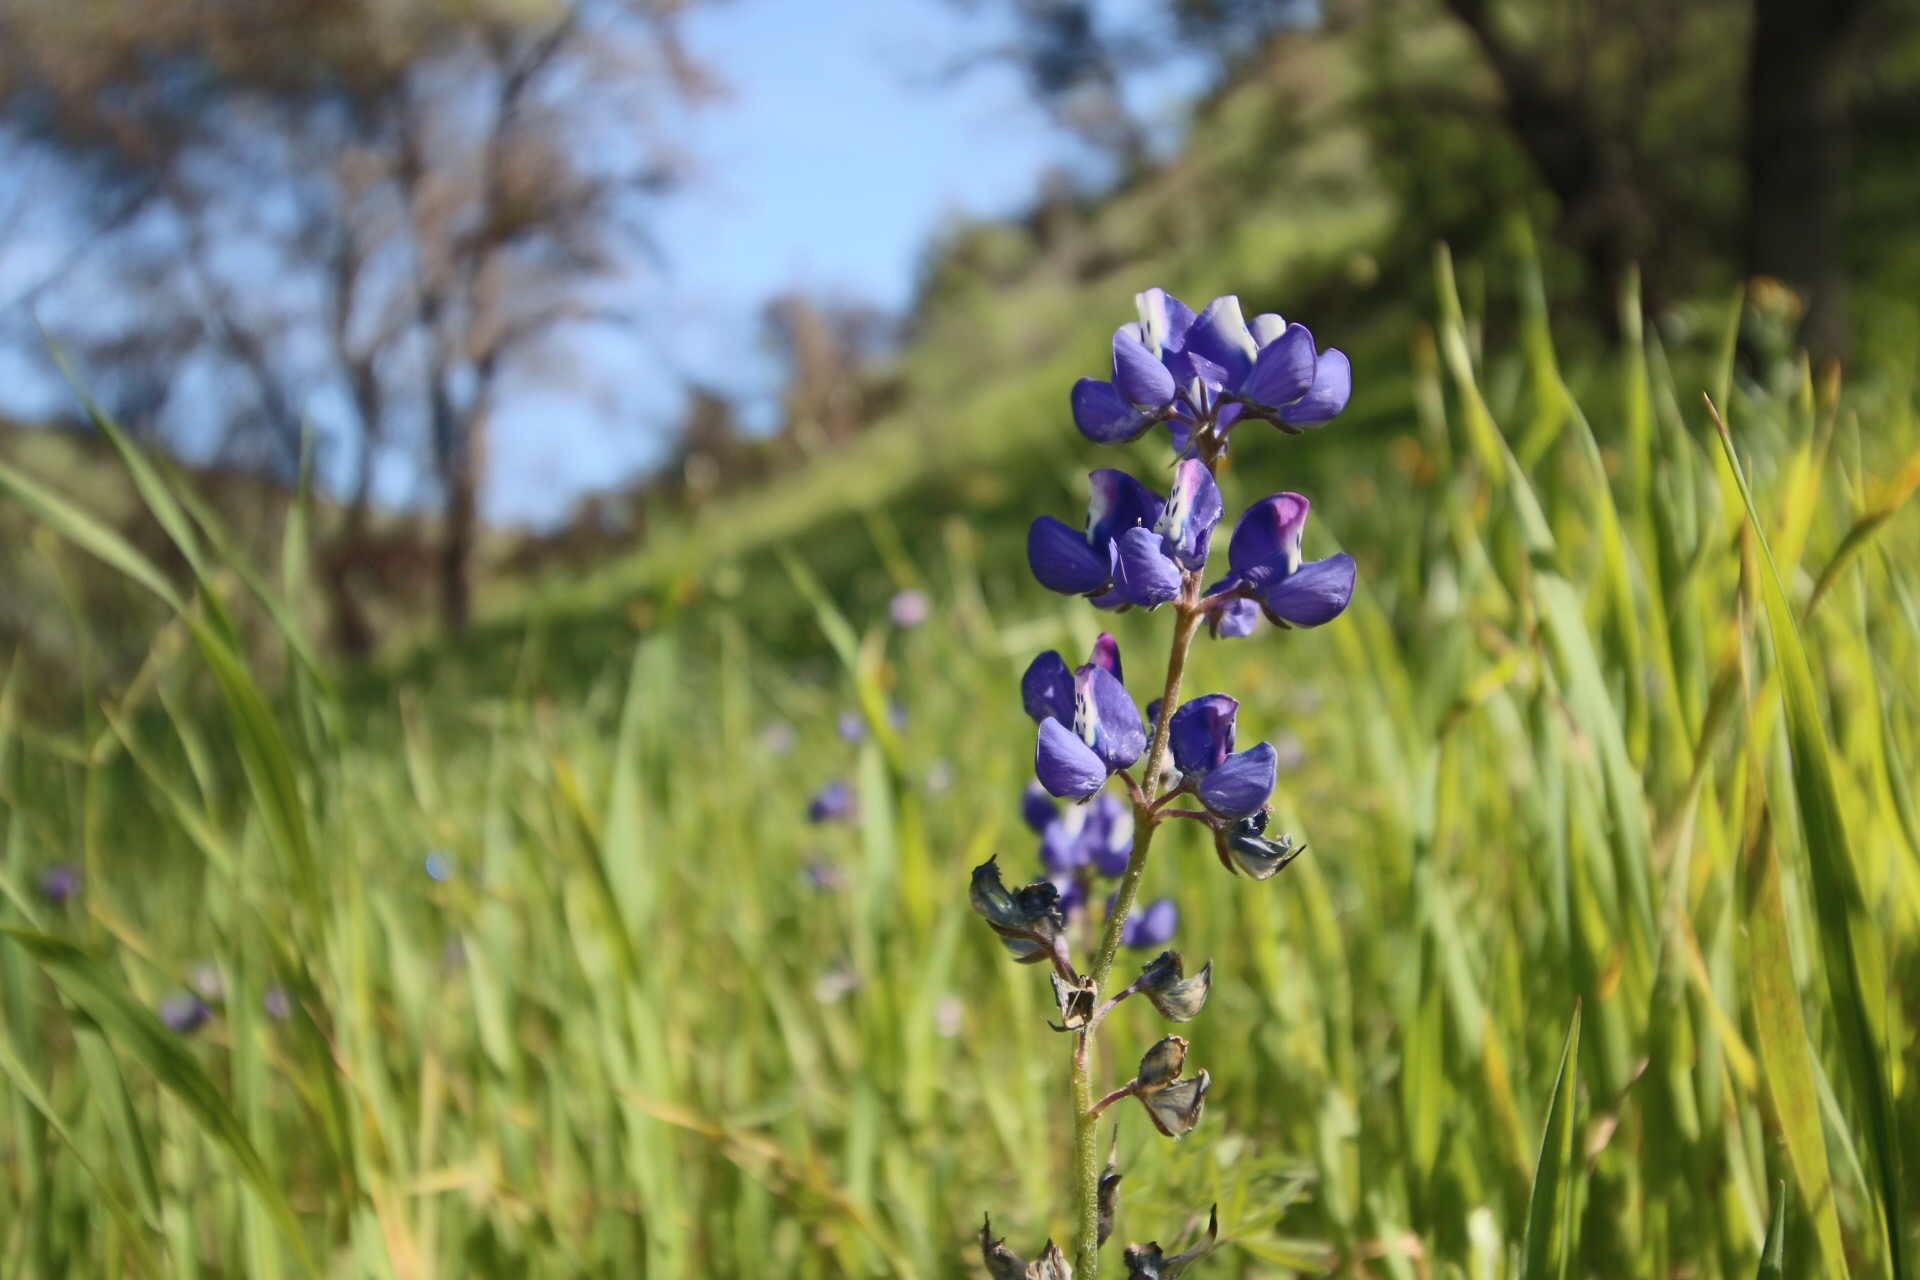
(431, 195)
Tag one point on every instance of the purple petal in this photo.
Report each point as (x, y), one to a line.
(1265, 327)
(832, 803)
(1220, 335)
(1142, 574)
(1106, 655)
(1038, 811)
(1153, 715)
(1193, 509)
(1062, 560)
(1062, 851)
(1103, 414)
(1268, 535)
(1201, 734)
(1105, 718)
(1332, 386)
(1110, 602)
(1110, 840)
(1153, 927)
(1239, 787)
(1318, 593)
(1233, 619)
(184, 1013)
(1116, 502)
(1047, 688)
(1138, 375)
(1066, 766)
(1164, 321)
(1284, 371)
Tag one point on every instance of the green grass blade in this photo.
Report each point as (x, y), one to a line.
(16, 1071)
(1848, 940)
(1773, 1258)
(1549, 1207)
(87, 983)
(86, 532)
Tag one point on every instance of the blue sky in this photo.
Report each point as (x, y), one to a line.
(838, 150)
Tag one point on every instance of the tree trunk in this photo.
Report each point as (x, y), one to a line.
(454, 455)
(1798, 144)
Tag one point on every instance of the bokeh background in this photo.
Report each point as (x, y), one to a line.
(473, 475)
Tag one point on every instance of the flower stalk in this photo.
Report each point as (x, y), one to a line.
(1200, 376)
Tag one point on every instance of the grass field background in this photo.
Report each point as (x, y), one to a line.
(1565, 752)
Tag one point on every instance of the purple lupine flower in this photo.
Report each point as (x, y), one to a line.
(1233, 619)
(1047, 687)
(851, 726)
(1077, 564)
(1193, 509)
(1209, 370)
(184, 1013)
(1038, 808)
(910, 608)
(1264, 565)
(1107, 735)
(1231, 784)
(1098, 835)
(1151, 927)
(832, 803)
(59, 883)
(439, 865)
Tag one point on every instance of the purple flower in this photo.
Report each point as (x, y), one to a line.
(183, 1013)
(1076, 564)
(1038, 808)
(833, 803)
(1231, 784)
(909, 608)
(1152, 927)
(1098, 835)
(277, 1003)
(59, 883)
(1264, 564)
(1047, 687)
(1233, 619)
(851, 726)
(1208, 372)
(1106, 735)
(1193, 508)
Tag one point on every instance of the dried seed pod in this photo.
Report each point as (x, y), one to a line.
(1177, 997)
(1146, 1262)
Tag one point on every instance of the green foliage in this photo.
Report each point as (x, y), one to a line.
(654, 1023)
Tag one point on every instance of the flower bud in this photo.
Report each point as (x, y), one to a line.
(1177, 997)
(1244, 844)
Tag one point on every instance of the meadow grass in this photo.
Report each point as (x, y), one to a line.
(1603, 949)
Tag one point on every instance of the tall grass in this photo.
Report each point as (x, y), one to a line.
(1601, 947)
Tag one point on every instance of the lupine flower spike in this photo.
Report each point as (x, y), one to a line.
(1201, 374)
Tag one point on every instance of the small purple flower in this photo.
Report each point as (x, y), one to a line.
(206, 981)
(896, 716)
(1231, 784)
(59, 883)
(439, 865)
(832, 803)
(909, 608)
(184, 1013)
(1151, 927)
(852, 727)
(1264, 564)
(1076, 564)
(1037, 807)
(1047, 687)
(1098, 835)
(277, 1003)
(1193, 510)
(1233, 619)
(1106, 735)
(1209, 371)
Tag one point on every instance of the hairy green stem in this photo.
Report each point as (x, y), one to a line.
(1086, 1149)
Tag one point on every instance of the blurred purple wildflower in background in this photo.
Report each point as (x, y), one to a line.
(832, 803)
(852, 727)
(910, 608)
(439, 864)
(277, 1003)
(183, 1012)
(59, 883)
(778, 737)
(206, 981)
(1152, 926)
